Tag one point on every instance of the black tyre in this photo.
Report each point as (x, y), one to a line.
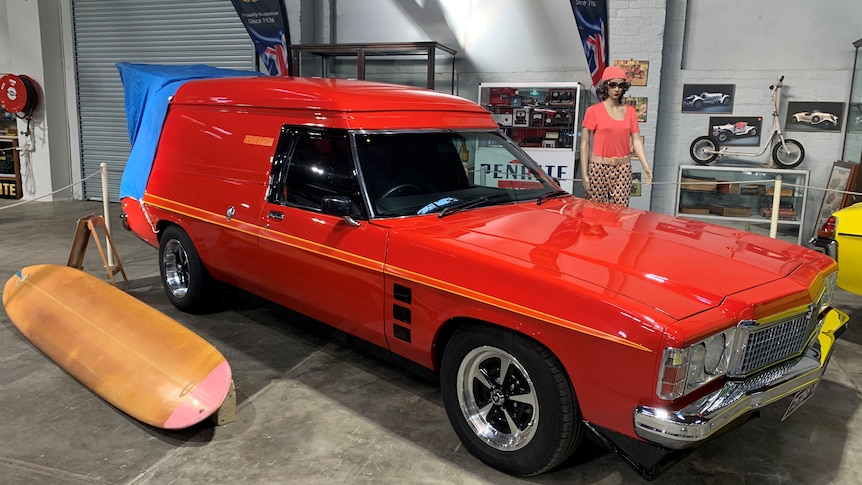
(789, 158)
(815, 119)
(698, 104)
(752, 132)
(703, 150)
(509, 400)
(184, 277)
(723, 135)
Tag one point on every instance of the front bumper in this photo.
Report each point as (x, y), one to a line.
(678, 429)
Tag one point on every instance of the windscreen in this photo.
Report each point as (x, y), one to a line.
(432, 172)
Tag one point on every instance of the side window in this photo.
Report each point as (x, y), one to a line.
(317, 165)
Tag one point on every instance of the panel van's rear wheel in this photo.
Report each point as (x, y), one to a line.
(187, 282)
(509, 400)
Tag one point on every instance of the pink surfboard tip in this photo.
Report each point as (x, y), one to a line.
(202, 400)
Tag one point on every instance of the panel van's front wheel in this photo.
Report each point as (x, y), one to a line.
(509, 400)
(184, 276)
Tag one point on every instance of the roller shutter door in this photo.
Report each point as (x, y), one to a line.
(141, 31)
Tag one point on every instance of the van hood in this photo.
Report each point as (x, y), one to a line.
(678, 266)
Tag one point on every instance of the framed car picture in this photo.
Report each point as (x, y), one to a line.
(636, 71)
(842, 179)
(813, 116)
(736, 130)
(708, 98)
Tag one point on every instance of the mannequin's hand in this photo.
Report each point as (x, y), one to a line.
(648, 178)
(586, 183)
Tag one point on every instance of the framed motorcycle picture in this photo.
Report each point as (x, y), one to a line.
(707, 98)
(741, 131)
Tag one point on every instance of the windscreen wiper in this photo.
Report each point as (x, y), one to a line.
(551, 195)
(463, 205)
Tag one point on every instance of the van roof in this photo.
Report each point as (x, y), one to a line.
(325, 94)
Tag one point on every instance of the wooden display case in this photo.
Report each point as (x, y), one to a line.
(741, 197)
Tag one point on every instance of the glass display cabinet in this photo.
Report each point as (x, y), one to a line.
(742, 198)
(852, 150)
(544, 119)
(423, 64)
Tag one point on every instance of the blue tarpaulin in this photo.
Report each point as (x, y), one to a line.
(147, 89)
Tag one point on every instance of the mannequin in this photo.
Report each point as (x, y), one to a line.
(611, 128)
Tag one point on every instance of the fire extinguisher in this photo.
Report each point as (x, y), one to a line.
(19, 95)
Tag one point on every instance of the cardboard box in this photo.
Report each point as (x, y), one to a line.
(728, 188)
(730, 210)
(701, 184)
(694, 209)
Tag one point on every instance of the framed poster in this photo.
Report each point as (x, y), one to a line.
(741, 131)
(636, 71)
(636, 184)
(842, 179)
(639, 104)
(813, 116)
(707, 98)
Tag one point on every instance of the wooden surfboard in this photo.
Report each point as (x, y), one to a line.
(133, 356)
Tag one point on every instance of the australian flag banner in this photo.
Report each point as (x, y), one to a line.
(266, 23)
(592, 19)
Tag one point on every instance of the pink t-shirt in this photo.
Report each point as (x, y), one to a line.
(611, 138)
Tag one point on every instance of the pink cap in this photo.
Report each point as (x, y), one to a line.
(613, 72)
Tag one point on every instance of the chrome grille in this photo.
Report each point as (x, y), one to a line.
(764, 345)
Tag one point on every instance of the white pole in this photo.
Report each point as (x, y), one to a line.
(103, 167)
(776, 198)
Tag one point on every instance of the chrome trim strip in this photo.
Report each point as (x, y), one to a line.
(826, 246)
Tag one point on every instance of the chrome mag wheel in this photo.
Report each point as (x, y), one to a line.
(497, 398)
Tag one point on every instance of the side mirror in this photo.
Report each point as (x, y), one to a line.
(338, 205)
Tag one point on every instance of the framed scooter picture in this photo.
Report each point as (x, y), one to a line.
(842, 179)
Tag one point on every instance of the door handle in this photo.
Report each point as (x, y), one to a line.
(279, 216)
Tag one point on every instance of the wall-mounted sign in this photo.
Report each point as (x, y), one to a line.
(636, 71)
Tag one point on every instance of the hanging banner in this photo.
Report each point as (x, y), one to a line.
(266, 23)
(592, 19)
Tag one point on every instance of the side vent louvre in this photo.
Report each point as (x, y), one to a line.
(402, 333)
(401, 313)
(403, 294)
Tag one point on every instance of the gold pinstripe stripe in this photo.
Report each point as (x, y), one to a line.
(367, 263)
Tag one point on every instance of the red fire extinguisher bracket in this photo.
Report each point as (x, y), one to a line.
(18, 94)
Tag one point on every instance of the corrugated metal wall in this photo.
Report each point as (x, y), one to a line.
(141, 31)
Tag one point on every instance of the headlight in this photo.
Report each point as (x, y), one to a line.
(685, 370)
(825, 300)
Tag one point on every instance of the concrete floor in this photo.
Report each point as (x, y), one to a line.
(314, 410)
